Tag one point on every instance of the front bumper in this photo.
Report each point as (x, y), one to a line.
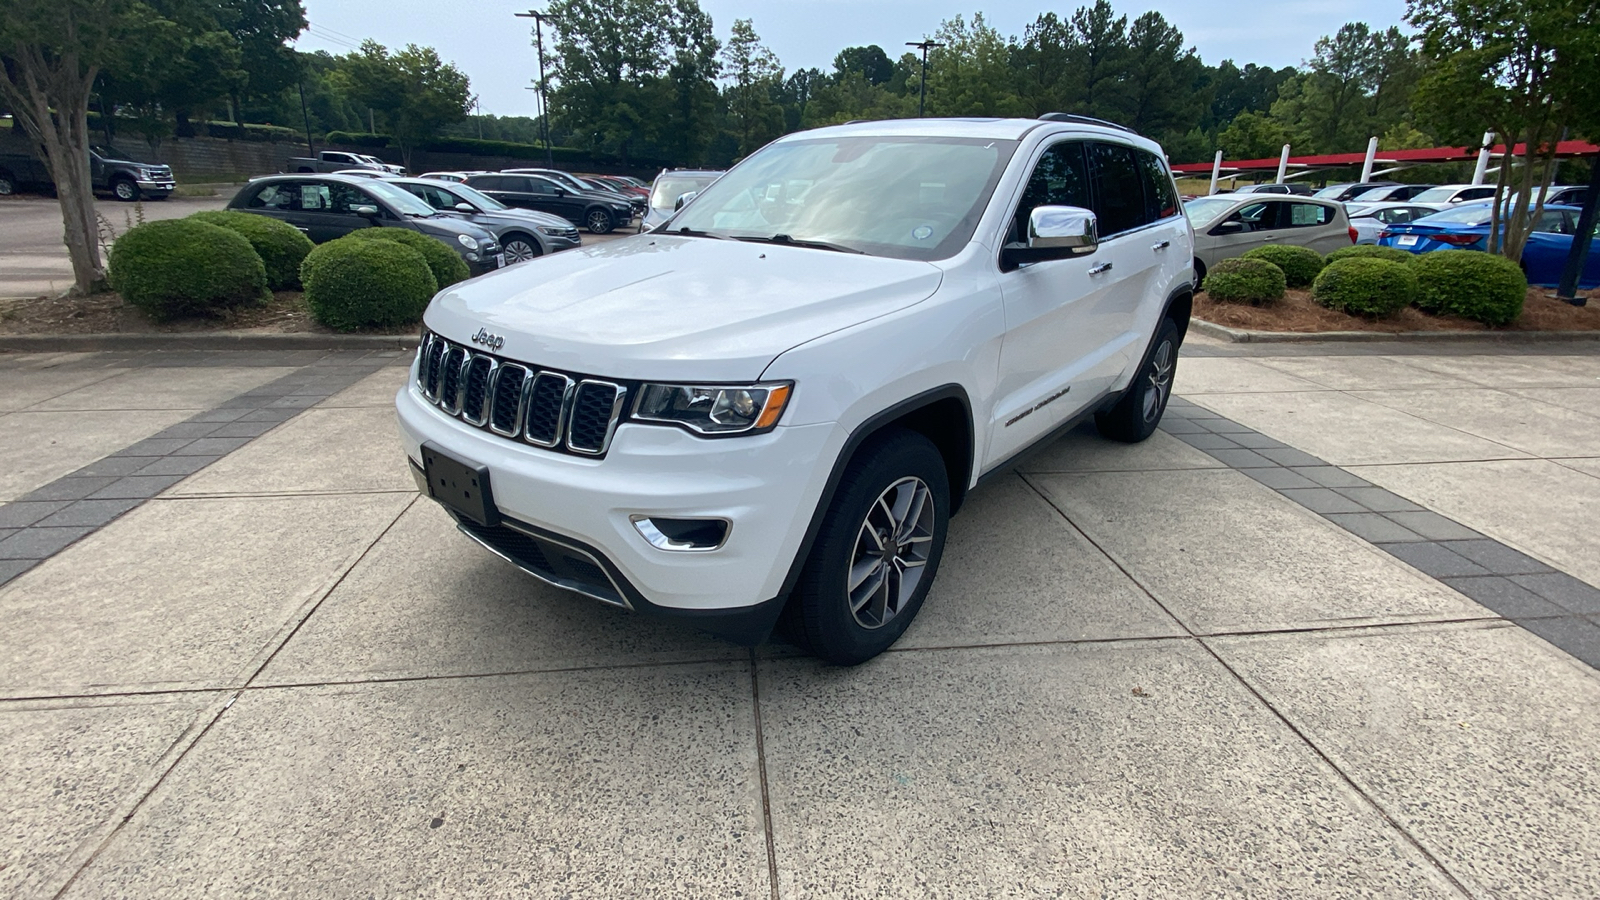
(767, 486)
(157, 187)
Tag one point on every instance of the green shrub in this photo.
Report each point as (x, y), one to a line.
(1240, 280)
(1365, 287)
(178, 267)
(366, 284)
(1370, 251)
(1300, 265)
(281, 246)
(1471, 284)
(447, 265)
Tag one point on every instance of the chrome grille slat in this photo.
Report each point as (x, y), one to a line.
(545, 408)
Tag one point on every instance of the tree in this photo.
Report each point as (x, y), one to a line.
(971, 75)
(1527, 69)
(870, 62)
(51, 52)
(1252, 135)
(756, 77)
(1100, 61)
(417, 92)
(1161, 78)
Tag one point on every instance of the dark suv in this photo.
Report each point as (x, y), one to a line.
(331, 206)
(597, 211)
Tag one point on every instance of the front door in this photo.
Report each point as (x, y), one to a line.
(326, 209)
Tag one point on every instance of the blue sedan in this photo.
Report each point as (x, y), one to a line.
(1467, 228)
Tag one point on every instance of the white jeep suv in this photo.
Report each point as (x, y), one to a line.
(777, 399)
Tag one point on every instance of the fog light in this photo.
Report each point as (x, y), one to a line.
(683, 535)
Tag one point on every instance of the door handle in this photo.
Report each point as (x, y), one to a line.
(1103, 267)
(303, 228)
(1161, 246)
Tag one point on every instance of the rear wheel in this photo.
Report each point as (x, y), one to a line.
(1138, 412)
(520, 248)
(878, 551)
(7, 186)
(125, 190)
(598, 220)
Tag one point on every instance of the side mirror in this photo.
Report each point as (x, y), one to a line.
(465, 207)
(683, 200)
(1228, 228)
(561, 192)
(365, 209)
(1054, 232)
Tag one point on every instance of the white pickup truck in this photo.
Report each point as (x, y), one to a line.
(337, 161)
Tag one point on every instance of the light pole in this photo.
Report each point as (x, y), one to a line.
(544, 107)
(924, 46)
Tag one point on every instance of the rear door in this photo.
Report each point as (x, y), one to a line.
(1322, 227)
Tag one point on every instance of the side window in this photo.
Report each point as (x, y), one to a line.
(1553, 221)
(1256, 216)
(439, 199)
(1118, 188)
(272, 196)
(1161, 197)
(1305, 215)
(1059, 179)
(1479, 193)
(490, 183)
(341, 197)
(536, 186)
(314, 197)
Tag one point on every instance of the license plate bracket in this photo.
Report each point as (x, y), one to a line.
(1407, 240)
(460, 486)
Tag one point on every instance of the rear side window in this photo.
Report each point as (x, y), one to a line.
(1161, 197)
(272, 196)
(1304, 215)
(1118, 188)
(488, 182)
(1059, 179)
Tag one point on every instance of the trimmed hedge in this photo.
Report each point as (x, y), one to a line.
(366, 284)
(1365, 287)
(1241, 280)
(357, 139)
(446, 264)
(1300, 265)
(179, 267)
(1370, 251)
(1472, 284)
(281, 246)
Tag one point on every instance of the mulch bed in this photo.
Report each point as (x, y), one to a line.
(1296, 312)
(107, 313)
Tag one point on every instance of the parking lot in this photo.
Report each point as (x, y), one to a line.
(1331, 632)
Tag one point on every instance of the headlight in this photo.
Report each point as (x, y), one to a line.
(715, 409)
(468, 241)
(552, 230)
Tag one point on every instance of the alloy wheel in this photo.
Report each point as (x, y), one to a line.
(6, 187)
(1158, 381)
(125, 190)
(599, 222)
(891, 551)
(518, 250)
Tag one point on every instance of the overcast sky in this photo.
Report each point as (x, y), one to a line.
(496, 50)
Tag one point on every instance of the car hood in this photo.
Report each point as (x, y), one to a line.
(675, 308)
(504, 218)
(449, 227)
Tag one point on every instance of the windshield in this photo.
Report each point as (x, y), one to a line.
(669, 188)
(1372, 195)
(1332, 190)
(1461, 215)
(1435, 195)
(475, 196)
(895, 196)
(1202, 211)
(401, 199)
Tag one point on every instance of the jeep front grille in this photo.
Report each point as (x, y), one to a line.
(555, 410)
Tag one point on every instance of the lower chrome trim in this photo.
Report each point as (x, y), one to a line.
(621, 599)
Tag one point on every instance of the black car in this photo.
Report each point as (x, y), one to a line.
(1302, 190)
(1342, 192)
(598, 212)
(523, 233)
(331, 206)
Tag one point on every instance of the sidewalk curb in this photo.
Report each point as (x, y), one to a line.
(1244, 336)
(94, 343)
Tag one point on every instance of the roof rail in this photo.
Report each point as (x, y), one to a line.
(1083, 120)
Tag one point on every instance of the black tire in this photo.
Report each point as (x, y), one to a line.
(520, 248)
(599, 221)
(1199, 273)
(823, 618)
(7, 185)
(1139, 410)
(124, 189)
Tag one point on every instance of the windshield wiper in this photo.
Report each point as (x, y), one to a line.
(686, 231)
(791, 242)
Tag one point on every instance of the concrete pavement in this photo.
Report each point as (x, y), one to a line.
(1213, 664)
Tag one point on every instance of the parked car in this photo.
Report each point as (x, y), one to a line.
(457, 177)
(1389, 193)
(391, 168)
(668, 187)
(330, 161)
(368, 173)
(331, 206)
(599, 212)
(1303, 190)
(573, 183)
(1467, 228)
(112, 170)
(1450, 194)
(1370, 219)
(1232, 225)
(784, 399)
(1342, 192)
(523, 233)
(635, 200)
(621, 186)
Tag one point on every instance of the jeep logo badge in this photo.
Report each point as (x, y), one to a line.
(492, 341)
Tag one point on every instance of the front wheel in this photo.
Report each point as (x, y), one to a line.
(878, 551)
(599, 221)
(125, 190)
(7, 186)
(520, 249)
(1138, 412)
